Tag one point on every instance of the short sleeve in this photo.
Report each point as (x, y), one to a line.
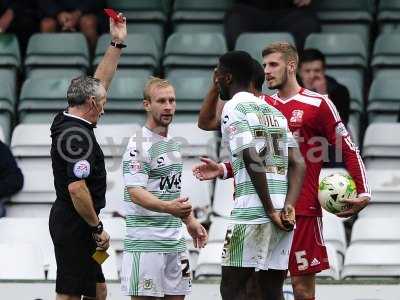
(291, 141)
(77, 149)
(236, 130)
(135, 167)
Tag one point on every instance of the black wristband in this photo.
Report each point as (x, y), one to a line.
(117, 45)
(98, 229)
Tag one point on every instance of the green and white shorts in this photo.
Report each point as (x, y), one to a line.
(259, 246)
(155, 274)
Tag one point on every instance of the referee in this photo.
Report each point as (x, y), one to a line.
(80, 180)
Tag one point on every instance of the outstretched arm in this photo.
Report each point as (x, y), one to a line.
(108, 65)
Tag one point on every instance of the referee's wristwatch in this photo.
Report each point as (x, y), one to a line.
(117, 44)
(98, 229)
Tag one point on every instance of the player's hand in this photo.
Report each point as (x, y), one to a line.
(118, 29)
(356, 205)
(288, 217)
(197, 232)
(180, 207)
(209, 169)
(301, 3)
(102, 240)
(276, 219)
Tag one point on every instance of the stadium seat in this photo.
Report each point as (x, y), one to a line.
(2, 135)
(380, 210)
(54, 73)
(342, 11)
(388, 16)
(385, 185)
(123, 117)
(190, 91)
(198, 192)
(199, 27)
(376, 231)
(142, 10)
(386, 53)
(194, 141)
(7, 104)
(142, 52)
(156, 30)
(209, 262)
(341, 49)
(57, 50)
(207, 11)
(10, 56)
(115, 188)
(113, 138)
(125, 94)
(381, 260)
(43, 95)
(193, 50)
(335, 265)
(254, 43)
(381, 148)
(334, 232)
(31, 230)
(20, 261)
(223, 198)
(217, 230)
(33, 157)
(362, 30)
(346, 74)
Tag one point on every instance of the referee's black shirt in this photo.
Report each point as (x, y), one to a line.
(76, 155)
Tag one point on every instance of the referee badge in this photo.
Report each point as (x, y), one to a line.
(82, 169)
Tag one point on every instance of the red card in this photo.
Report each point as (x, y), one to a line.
(113, 14)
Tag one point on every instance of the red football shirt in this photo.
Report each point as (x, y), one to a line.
(315, 123)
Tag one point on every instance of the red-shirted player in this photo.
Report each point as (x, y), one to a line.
(315, 122)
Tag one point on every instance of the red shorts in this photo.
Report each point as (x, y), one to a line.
(308, 253)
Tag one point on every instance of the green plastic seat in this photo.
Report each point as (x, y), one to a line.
(388, 16)
(141, 51)
(352, 73)
(190, 92)
(362, 30)
(154, 29)
(199, 27)
(254, 43)
(198, 50)
(203, 11)
(9, 77)
(57, 50)
(126, 94)
(142, 10)
(56, 73)
(123, 117)
(383, 100)
(340, 49)
(9, 51)
(386, 53)
(6, 119)
(43, 95)
(6, 92)
(345, 10)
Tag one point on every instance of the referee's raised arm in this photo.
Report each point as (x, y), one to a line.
(108, 65)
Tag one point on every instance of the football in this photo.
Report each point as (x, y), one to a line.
(335, 188)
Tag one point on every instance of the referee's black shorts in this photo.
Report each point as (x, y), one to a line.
(77, 271)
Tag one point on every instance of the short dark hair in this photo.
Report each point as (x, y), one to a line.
(81, 88)
(258, 75)
(310, 55)
(240, 65)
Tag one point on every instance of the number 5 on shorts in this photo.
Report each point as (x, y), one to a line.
(302, 262)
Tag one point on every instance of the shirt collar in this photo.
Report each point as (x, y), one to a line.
(76, 117)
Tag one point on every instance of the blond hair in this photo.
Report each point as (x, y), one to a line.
(288, 51)
(154, 82)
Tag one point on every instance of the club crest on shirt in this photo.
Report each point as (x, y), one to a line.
(297, 116)
(160, 161)
(134, 167)
(231, 130)
(82, 169)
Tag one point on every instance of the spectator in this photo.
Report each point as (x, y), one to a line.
(294, 16)
(24, 25)
(71, 16)
(11, 178)
(313, 77)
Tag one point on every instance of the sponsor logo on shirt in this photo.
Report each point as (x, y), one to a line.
(171, 183)
(225, 119)
(160, 161)
(134, 167)
(341, 129)
(148, 284)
